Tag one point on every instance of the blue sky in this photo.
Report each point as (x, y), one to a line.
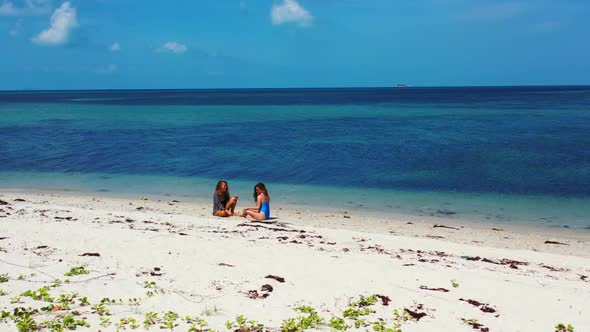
(97, 44)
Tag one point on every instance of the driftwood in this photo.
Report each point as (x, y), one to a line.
(445, 226)
(555, 242)
(434, 289)
(277, 278)
(92, 254)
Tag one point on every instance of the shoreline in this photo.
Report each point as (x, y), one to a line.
(173, 255)
(375, 222)
(502, 209)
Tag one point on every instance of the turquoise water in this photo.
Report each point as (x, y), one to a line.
(544, 211)
(514, 155)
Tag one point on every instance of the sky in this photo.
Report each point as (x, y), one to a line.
(132, 44)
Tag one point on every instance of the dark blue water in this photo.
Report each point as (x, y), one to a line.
(537, 97)
(517, 140)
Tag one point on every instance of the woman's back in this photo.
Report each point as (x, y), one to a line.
(265, 206)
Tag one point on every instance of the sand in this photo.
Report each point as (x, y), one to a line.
(171, 255)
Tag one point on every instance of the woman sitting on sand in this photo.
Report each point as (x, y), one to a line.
(223, 204)
(262, 209)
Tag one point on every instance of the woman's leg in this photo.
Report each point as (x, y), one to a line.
(256, 215)
(231, 204)
(221, 213)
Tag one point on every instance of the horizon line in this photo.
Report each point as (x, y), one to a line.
(302, 88)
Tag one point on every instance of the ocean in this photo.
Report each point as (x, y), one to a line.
(503, 154)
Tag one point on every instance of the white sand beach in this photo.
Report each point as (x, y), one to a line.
(162, 255)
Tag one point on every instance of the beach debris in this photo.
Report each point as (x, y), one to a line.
(498, 229)
(556, 242)
(64, 218)
(91, 254)
(482, 306)
(225, 264)
(445, 226)
(583, 277)
(409, 223)
(275, 229)
(156, 272)
(376, 248)
(19, 200)
(414, 314)
(181, 233)
(473, 323)
(277, 278)
(347, 217)
(266, 288)
(3, 237)
(40, 247)
(554, 269)
(471, 258)
(384, 299)
(4, 202)
(434, 289)
(175, 201)
(253, 294)
(513, 264)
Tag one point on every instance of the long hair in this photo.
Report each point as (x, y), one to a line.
(262, 188)
(218, 186)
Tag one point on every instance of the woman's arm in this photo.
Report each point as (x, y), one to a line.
(258, 203)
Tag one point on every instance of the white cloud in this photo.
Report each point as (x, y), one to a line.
(173, 47)
(290, 11)
(63, 21)
(8, 9)
(16, 28)
(115, 47)
(31, 7)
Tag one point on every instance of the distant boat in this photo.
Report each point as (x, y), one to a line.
(401, 86)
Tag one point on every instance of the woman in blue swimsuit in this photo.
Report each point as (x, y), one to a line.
(262, 209)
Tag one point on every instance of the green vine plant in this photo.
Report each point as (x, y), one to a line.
(153, 288)
(563, 328)
(242, 324)
(300, 323)
(76, 271)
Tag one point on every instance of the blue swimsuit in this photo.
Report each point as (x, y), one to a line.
(265, 208)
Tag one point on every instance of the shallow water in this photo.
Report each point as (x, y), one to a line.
(504, 154)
